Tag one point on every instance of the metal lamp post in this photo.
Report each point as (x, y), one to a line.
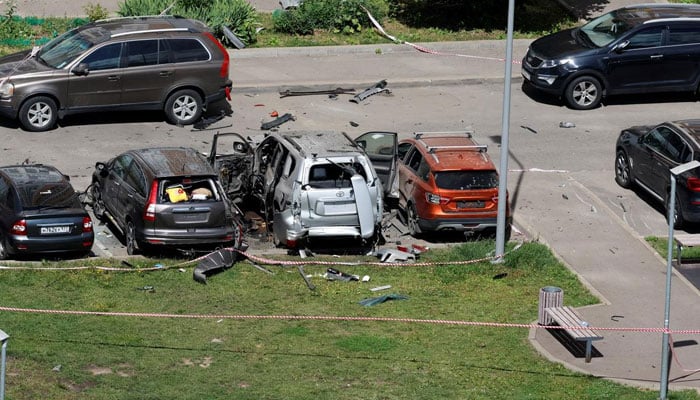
(663, 384)
(503, 180)
(3, 338)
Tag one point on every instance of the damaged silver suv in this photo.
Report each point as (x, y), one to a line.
(134, 63)
(313, 185)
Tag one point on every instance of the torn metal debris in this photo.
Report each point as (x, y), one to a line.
(395, 255)
(266, 126)
(370, 91)
(336, 91)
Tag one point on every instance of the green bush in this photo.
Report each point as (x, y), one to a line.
(95, 12)
(338, 16)
(238, 15)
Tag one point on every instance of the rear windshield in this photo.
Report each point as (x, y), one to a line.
(327, 176)
(48, 195)
(465, 180)
(178, 190)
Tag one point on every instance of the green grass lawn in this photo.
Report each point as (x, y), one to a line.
(64, 356)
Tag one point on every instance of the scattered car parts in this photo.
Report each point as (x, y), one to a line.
(266, 126)
(370, 91)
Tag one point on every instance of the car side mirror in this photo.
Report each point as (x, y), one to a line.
(81, 69)
(620, 47)
(102, 169)
(240, 147)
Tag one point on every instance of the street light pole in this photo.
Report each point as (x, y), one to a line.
(503, 177)
(3, 339)
(663, 383)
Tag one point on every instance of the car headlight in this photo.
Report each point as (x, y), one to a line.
(554, 63)
(7, 89)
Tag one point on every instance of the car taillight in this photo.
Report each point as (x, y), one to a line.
(87, 225)
(19, 228)
(223, 72)
(693, 184)
(436, 199)
(149, 212)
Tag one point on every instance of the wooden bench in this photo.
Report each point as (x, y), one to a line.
(567, 317)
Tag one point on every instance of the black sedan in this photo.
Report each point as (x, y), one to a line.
(40, 213)
(646, 154)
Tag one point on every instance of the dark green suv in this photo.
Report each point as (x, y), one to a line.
(136, 63)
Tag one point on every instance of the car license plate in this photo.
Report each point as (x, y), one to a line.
(52, 230)
(526, 74)
(471, 204)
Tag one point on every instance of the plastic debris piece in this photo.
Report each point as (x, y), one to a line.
(335, 275)
(378, 288)
(395, 255)
(567, 125)
(381, 299)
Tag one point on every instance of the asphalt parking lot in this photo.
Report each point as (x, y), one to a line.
(548, 164)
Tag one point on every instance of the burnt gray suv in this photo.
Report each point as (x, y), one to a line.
(135, 63)
(166, 196)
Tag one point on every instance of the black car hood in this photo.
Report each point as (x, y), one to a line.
(562, 44)
(19, 63)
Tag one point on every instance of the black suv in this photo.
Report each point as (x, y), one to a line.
(646, 154)
(166, 196)
(136, 63)
(636, 49)
(40, 213)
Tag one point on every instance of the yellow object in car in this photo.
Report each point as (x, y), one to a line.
(176, 194)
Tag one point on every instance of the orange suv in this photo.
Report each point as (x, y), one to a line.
(447, 182)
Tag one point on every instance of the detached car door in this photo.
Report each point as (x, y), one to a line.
(381, 147)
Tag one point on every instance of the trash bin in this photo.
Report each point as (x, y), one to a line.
(550, 296)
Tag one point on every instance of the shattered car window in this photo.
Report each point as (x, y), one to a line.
(176, 190)
(327, 176)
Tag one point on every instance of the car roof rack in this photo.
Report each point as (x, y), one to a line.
(431, 149)
(140, 32)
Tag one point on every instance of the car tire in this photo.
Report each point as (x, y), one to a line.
(584, 93)
(98, 206)
(38, 114)
(4, 253)
(132, 245)
(184, 107)
(623, 172)
(412, 221)
(679, 220)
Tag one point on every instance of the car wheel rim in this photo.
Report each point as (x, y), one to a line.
(185, 107)
(3, 252)
(97, 206)
(412, 221)
(39, 115)
(622, 169)
(585, 93)
(130, 239)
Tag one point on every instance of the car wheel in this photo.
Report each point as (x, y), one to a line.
(4, 254)
(412, 217)
(678, 219)
(183, 107)
(623, 173)
(98, 206)
(38, 114)
(584, 93)
(132, 246)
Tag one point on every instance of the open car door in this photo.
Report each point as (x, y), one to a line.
(231, 156)
(381, 147)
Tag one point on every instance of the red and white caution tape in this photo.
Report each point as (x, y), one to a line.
(422, 49)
